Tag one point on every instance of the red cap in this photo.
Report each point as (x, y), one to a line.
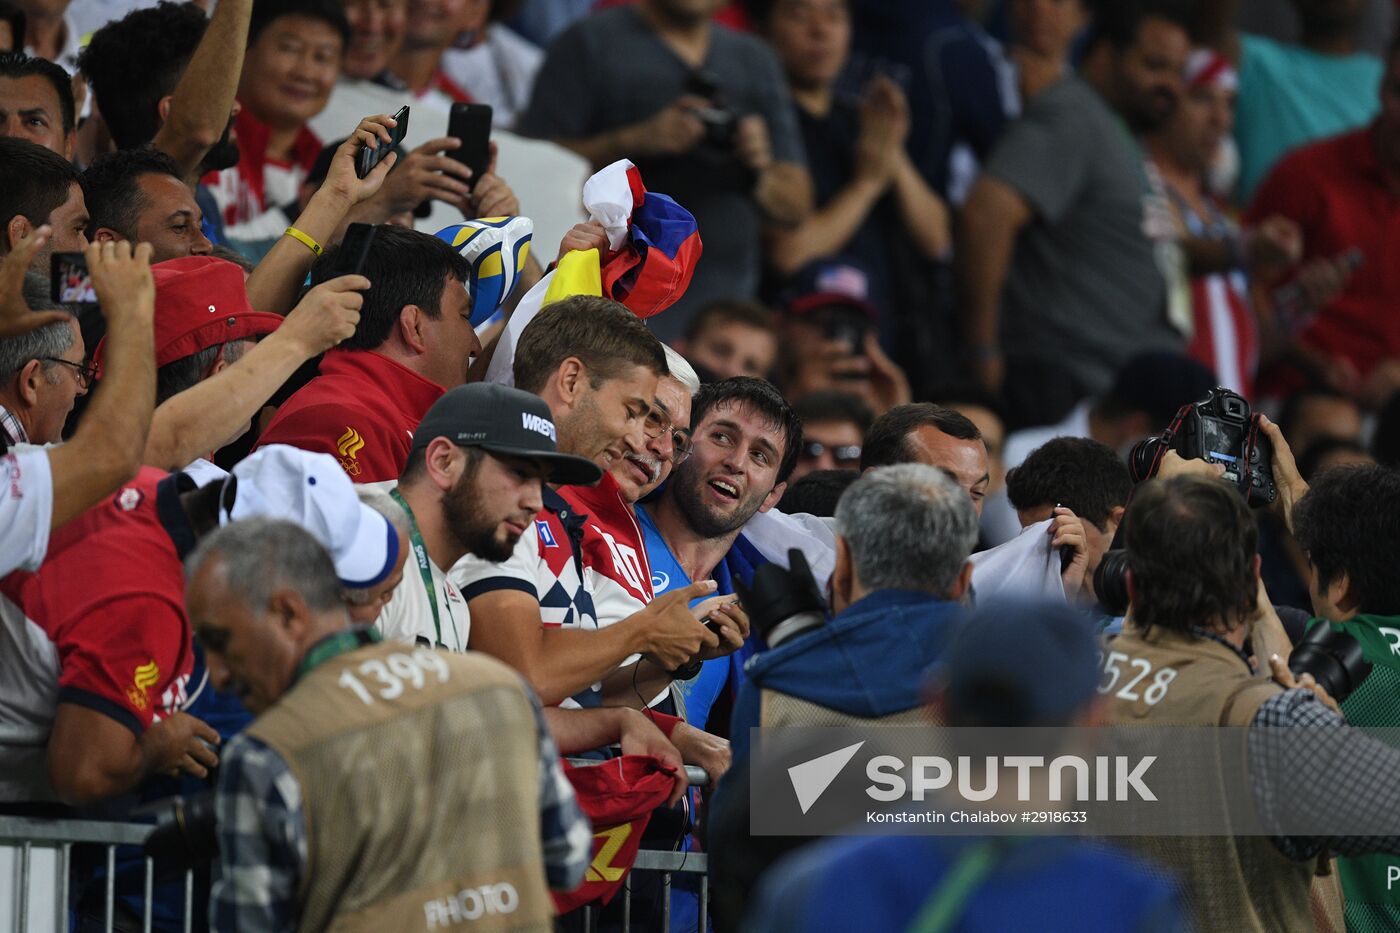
(823, 283)
(201, 302)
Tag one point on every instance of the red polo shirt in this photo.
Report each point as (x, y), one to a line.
(110, 600)
(362, 409)
(1338, 194)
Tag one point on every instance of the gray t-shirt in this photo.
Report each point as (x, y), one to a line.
(610, 70)
(1085, 287)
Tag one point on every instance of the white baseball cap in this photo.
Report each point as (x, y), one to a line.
(311, 490)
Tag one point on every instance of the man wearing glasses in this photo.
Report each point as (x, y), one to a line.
(574, 601)
(42, 373)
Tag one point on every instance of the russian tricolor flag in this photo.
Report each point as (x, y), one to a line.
(654, 264)
(654, 246)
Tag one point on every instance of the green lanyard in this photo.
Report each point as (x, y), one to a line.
(420, 551)
(332, 645)
(948, 902)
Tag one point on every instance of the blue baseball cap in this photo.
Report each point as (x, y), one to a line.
(1018, 663)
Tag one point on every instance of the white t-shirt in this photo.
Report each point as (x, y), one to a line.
(408, 616)
(1020, 444)
(500, 72)
(26, 508)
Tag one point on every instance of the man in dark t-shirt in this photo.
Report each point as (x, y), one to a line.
(701, 110)
(873, 205)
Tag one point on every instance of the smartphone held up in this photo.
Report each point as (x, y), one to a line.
(369, 157)
(70, 282)
(471, 125)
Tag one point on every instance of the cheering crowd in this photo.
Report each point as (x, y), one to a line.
(400, 398)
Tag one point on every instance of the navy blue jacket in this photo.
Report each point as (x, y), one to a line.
(868, 661)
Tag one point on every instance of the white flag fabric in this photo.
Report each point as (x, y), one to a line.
(1026, 566)
(607, 196)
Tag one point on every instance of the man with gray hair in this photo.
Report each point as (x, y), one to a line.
(42, 373)
(639, 473)
(265, 600)
(903, 537)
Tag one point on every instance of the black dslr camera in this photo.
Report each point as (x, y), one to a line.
(720, 122)
(185, 832)
(1334, 658)
(783, 604)
(1218, 429)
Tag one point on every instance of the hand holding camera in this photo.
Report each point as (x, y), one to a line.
(15, 316)
(1221, 431)
(1220, 437)
(783, 603)
(1290, 483)
(674, 130)
(1284, 676)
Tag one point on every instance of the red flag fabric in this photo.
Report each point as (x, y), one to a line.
(618, 797)
(652, 270)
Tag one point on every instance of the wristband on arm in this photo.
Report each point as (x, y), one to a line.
(667, 724)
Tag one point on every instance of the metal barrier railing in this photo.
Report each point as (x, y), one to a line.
(667, 863)
(31, 839)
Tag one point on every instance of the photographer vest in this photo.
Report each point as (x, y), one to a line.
(779, 709)
(1230, 883)
(419, 773)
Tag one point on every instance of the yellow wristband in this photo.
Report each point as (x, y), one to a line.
(306, 239)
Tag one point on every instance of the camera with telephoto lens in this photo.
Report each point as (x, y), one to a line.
(1218, 429)
(185, 832)
(1333, 657)
(783, 604)
(1111, 582)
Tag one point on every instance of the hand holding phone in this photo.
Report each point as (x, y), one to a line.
(369, 157)
(70, 282)
(471, 124)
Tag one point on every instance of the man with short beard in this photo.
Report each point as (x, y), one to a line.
(744, 446)
(472, 485)
(1069, 259)
(562, 609)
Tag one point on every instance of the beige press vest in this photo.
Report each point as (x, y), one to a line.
(1230, 883)
(421, 801)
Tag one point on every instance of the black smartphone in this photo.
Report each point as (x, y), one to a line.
(370, 157)
(848, 326)
(471, 123)
(70, 282)
(358, 239)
